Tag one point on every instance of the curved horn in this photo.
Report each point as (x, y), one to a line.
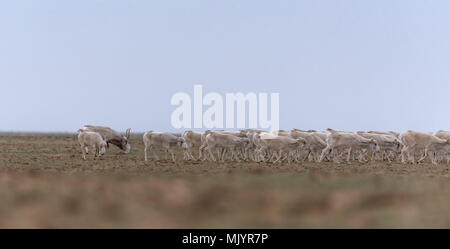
(128, 133)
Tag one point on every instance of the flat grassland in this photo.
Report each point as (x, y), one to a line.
(44, 183)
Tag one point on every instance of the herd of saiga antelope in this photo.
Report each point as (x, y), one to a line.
(291, 146)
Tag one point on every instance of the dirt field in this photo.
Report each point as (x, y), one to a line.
(44, 183)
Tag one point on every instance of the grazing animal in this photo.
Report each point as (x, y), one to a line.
(112, 137)
(390, 145)
(192, 139)
(314, 143)
(91, 139)
(424, 143)
(279, 146)
(161, 140)
(338, 141)
(220, 142)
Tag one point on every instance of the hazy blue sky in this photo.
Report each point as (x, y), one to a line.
(353, 65)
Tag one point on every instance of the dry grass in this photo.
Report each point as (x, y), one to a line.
(44, 183)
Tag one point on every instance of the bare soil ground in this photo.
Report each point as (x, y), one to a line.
(44, 183)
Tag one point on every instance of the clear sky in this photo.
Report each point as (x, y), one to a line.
(352, 65)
